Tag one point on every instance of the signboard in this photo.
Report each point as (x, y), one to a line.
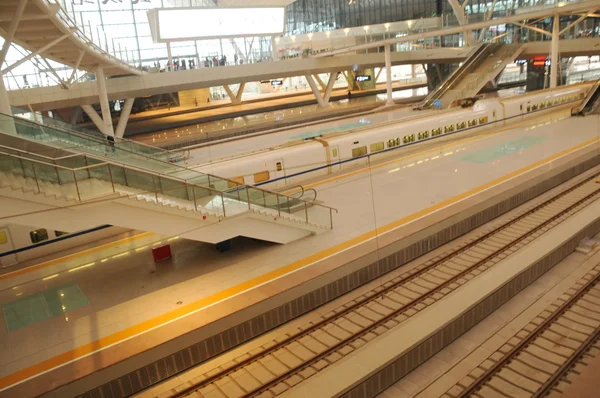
(362, 78)
(539, 60)
(275, 83)
(437, 104)
(180, 24)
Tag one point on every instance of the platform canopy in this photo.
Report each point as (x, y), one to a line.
(194, 23)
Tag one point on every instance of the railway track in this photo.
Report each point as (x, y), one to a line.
(536, 359)
(283, 363)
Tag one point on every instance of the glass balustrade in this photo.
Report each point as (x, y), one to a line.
(82, 178)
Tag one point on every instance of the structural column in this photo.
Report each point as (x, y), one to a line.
(124, 118)
(106, 116)
(554, 61)
(170, 58)
(4, 104)
(388, 75)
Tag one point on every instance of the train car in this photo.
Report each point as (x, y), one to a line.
(295, 162)
(19, 243)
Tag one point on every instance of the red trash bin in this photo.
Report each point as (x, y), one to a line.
(161, 252)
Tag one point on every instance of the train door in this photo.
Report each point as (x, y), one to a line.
(6, 245)
(335, 158)
(279, 173)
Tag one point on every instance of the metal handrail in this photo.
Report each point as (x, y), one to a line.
(236, 184)
(184, 183)
(97, 138)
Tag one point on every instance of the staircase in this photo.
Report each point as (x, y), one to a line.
(73, 198)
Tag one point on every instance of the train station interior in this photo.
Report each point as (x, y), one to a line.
(299, 198)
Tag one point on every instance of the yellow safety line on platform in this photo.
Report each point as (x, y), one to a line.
(132, 331)
(72, 256)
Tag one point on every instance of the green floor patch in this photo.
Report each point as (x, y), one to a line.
(43, 305)
(492, 153)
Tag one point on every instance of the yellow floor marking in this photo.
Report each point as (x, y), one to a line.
(72, 256)
(140, 328)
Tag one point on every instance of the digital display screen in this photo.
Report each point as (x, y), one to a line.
(211, 23)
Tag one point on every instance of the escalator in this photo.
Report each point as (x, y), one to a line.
(590, 103)
(473, 58)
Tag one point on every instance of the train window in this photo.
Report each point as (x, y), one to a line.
(461, 125)
(334, 152)
(3, 238)
(393, 142)
(542, 105)
(376, 147)
(39, 235)
(360, 151)
(483, 120)
(528, 108)
(60, 233)
(556, 101)
(449, 128)
(534, 107)
(235, 181)
(494, 114)
(521, 106)
(278, 166)
(262, 176)
(436, 132)
(548, 103)
(423, 134)
(472, 122)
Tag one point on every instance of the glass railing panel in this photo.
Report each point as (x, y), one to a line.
(9, 164)
(101, 172)
(118, 174)
(172, 188)
(141, 181)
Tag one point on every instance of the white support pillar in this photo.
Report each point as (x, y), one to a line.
(554, 55)
(321, 83)
(98, 122)
(124, 118)
(169, 58)
(388, 75)
(329, 88)
(4, 104)
(315, 90)
(235, 98)
(106, 116)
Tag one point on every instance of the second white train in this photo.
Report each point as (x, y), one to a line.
(295, 162)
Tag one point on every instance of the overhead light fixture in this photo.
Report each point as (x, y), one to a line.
(366, 28)
(346, 31)
(310, 35)
(387, 25)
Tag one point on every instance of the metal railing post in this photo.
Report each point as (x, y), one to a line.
(248, 197)
(155, 190)
(264, 198)
(87, 165)
(35, 176)
(111, 178)
(306, 211)
(76, 185)
(194, 194)
(331, 218)
(278, 207)
(223, 204)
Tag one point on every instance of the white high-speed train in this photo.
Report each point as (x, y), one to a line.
(296, 161)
